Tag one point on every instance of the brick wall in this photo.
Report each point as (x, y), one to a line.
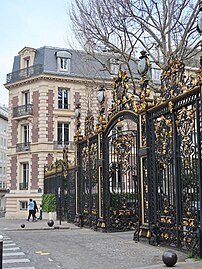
(13, 176)
(49, 159)
(35, 125)
(14, 123)
(50, 116)
(34, 171)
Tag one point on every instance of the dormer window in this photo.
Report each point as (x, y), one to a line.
(64, 64)
(63, 61)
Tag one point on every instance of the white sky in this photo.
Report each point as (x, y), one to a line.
(30, 23)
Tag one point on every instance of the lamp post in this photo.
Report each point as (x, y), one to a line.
(59, 197)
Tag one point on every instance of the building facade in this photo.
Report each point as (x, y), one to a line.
(3, 154)
(44, 87)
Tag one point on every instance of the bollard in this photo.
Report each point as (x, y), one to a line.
(1, 251)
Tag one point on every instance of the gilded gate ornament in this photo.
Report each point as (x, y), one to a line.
(89, 124)
(163, 134)
(123, 145)
(185, 126)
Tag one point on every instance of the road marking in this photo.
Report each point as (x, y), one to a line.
(6, 237)
(14, 248)
(9, 245)
(10, 250)
(15, 261)
(42, 253)
(22, 268)
(14, 254)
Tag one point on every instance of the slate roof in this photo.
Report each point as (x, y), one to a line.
(82, 65)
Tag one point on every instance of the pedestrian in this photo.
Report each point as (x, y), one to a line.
(31, 209)
(35, 210)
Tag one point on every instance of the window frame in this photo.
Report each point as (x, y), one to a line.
(61, 133)
(63, 93)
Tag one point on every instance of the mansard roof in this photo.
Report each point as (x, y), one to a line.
(81, 65)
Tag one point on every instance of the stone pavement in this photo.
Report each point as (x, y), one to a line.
(182, 263)
(15, 224)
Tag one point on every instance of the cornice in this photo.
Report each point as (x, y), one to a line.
(46, 77)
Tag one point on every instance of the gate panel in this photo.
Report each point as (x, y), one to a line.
(174, 167)
(88, 176)
(71, 195)
(122, 178)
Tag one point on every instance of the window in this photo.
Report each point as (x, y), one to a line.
(63, 133)
(63, 61)
(23, 205)
(26, 98)
(63, 98)
(156, 74)
(25, 176)
(25, 134)
(64, 64)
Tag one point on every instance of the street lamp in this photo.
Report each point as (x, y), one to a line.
(199, 24)
(77, 111)
(101, 95)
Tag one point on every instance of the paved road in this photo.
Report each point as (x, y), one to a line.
(75, 248)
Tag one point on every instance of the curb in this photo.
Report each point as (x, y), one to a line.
(40, 228)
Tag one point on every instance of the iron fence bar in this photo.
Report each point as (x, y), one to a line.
(177, 177)
(199, 140)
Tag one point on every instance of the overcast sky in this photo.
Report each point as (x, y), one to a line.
(30, 23)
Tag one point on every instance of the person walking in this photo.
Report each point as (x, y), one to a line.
(31, 209)
(35, 210)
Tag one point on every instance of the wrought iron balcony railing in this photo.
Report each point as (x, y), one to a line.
(25, 73)
(23, 147)
(61, 144)
(20, 111)
(23, 186)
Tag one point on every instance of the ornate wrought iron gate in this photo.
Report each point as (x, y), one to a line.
(175, 170)
(141, 167)
(108, 186)
(88, 182)
(121, 173)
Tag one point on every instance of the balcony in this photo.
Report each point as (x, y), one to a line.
(61, 144)
(23, 147)
(22, 111)
(24, 73)
(23, 186)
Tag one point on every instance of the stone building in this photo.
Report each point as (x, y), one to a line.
(44, 87)
(3, 154)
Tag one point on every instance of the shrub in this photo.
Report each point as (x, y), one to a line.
(48, 202)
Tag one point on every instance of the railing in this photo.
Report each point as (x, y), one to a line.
(22, 111)
(23, 186)
(63, 106)
(23, 147)
(24, 73)
(61, 144)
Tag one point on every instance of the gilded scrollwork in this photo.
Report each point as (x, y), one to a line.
(123, 145)
(163, 137)
(84, 155)
(185, 127)
(89, 124)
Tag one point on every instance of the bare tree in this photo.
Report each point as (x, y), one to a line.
(120, 27)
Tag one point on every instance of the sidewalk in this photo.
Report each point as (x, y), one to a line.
(15, 224)
(182, 263)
